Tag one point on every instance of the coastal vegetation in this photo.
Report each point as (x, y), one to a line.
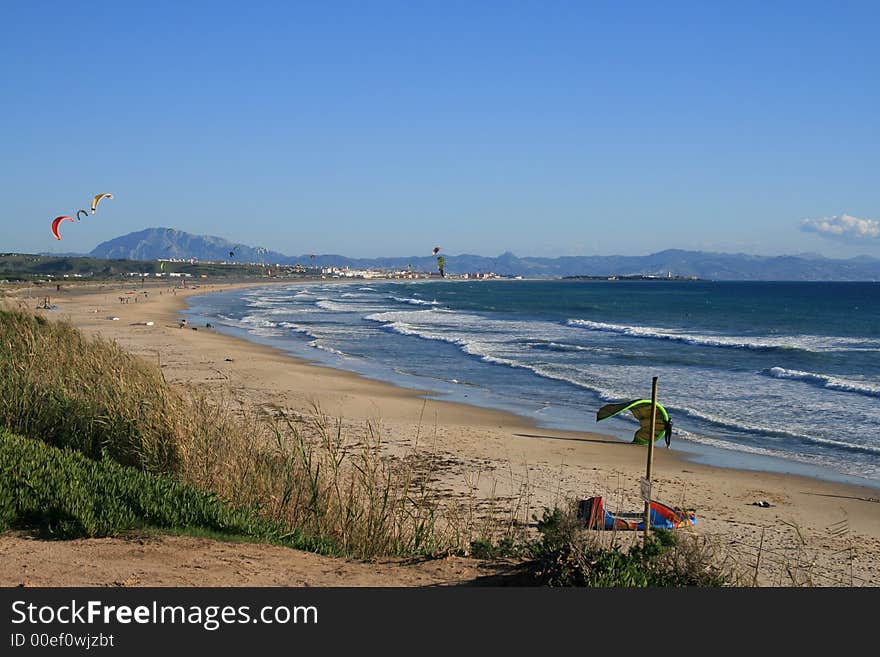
(567, 555)
(94, 442)
(91, 396)
(69, 269)
(66, 495)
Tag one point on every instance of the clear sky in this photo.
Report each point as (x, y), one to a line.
(384, 128)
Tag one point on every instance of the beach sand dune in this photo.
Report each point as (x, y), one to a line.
(487, 453)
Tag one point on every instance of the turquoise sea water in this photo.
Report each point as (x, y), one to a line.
(777, 376)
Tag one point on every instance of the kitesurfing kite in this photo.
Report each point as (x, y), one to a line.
(436, 250)
(597, 516)
(97, 199)
(79, 212)
(641, 409)
(58, 220)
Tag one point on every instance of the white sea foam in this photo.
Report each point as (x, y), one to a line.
(826, 381)
(335, 306)
(265, 331)
(497, 351)
(558, 346)
(860, 469)
(256, 320)
(416, 302)
(299, 328)
(318, 345)
(818, 343)
(347, 307)
(263, 302)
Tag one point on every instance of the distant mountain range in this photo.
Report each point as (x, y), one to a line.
(158, 243)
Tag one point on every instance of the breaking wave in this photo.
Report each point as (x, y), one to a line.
(826, 381)
(816, 343)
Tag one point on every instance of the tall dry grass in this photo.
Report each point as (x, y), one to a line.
(314, 475)
(89, 394)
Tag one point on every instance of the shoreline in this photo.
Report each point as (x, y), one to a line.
(691, 452)
(497, 453)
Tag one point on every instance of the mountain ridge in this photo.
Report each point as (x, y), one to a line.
(170, 243)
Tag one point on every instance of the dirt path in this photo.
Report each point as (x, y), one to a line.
(188, 561)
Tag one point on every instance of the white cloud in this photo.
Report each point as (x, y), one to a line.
(843, 226)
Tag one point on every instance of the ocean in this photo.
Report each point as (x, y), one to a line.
(780, 377)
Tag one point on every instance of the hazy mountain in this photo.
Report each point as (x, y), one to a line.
(156, 243)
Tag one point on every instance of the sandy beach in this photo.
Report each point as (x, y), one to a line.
(494, 456)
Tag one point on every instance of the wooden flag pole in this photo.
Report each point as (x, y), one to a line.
(650, 456)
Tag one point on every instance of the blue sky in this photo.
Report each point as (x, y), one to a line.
(384, 128)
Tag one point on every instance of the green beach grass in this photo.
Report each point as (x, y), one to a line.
(64, 495)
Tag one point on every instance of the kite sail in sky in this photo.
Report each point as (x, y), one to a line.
(97, 199)
(56, 221)
(79, 215)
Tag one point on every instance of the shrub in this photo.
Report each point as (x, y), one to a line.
(568, 555)
(66, 495)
